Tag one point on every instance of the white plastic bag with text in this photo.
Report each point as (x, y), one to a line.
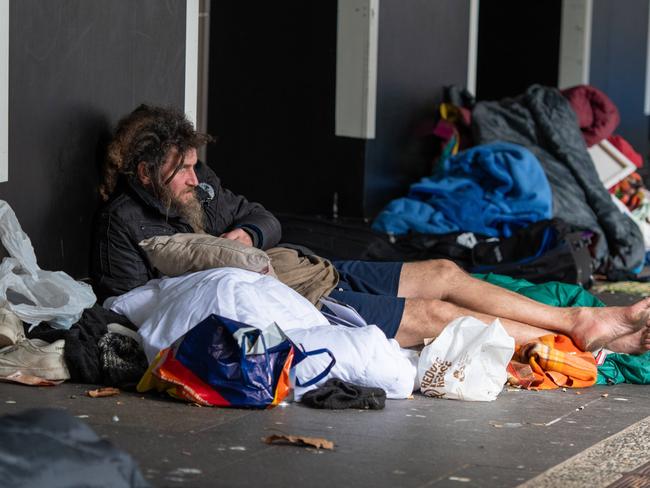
(467, 361)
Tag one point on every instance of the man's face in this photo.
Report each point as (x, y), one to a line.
(176, 188)
(182, 186)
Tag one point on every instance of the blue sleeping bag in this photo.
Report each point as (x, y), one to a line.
(492, 189)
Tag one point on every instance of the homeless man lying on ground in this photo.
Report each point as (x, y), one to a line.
(154, 185)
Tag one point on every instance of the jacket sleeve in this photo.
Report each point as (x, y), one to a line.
(235, 211)
(119, 265)
(260, 224)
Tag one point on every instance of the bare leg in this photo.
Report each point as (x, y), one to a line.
(590, 328)
(425, 318)
(443, 280)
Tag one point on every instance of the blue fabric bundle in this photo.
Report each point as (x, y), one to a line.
(492, 189)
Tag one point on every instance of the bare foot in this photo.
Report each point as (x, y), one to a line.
(596, 327)
(635, 343)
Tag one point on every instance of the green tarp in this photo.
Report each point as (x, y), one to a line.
(617, 368)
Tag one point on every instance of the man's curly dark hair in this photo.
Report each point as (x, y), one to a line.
(146, 135)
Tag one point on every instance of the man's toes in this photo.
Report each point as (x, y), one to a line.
(645, 343)
(645, 318)
(642, 307)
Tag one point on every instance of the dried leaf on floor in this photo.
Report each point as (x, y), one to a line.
(299, 440)
(103, 392)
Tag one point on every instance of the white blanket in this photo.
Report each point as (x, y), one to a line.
(364, 356)
(164, 310)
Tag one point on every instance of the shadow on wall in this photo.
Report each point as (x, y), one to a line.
(74, 190)
(509, 58)
(421, 147)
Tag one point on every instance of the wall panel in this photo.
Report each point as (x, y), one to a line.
(76, 66)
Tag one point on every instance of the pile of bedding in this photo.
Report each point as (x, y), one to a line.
(543, 121)
(486, 191)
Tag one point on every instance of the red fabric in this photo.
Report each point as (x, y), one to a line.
(626, 148)
(188, 385)
(597, 115)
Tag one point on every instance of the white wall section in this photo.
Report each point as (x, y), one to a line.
(575, 43)
(4, 90)
(646, 104)
(472, 48)
(356, 68)
(191, 59)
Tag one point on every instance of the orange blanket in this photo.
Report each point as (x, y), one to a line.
(551, 361)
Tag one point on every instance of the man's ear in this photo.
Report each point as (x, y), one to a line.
(143, 174)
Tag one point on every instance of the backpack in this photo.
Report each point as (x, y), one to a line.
(342, 238)
(353, 239)
(548, 250)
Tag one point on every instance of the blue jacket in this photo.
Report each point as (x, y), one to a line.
(491, 189)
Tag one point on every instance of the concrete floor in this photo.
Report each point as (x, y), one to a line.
(412, 443)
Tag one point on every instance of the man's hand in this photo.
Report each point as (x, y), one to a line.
(239, 235)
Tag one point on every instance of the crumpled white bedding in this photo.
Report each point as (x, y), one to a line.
(166, 309)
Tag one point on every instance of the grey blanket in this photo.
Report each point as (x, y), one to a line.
(543, 121)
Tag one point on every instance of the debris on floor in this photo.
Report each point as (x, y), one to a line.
(103, 392)
(629, 287)
(298, 440)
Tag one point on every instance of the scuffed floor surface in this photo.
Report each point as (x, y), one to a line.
(573, 438)
(412, 443)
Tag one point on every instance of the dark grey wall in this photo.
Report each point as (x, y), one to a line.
(518, 45)
(618, 63)
(272, 101)
(75, 67)
(422, 48)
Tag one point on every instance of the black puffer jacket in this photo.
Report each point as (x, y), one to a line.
(133, 214)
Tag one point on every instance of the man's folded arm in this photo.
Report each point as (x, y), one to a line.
(259, 223)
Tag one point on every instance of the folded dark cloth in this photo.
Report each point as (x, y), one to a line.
(81, 353)
(338, 394)
(122, 359)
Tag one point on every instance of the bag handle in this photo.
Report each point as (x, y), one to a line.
(323, 373)
(315, 352)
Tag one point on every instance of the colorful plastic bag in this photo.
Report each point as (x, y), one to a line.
(222, 362)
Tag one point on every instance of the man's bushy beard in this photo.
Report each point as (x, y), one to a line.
(191, 210)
